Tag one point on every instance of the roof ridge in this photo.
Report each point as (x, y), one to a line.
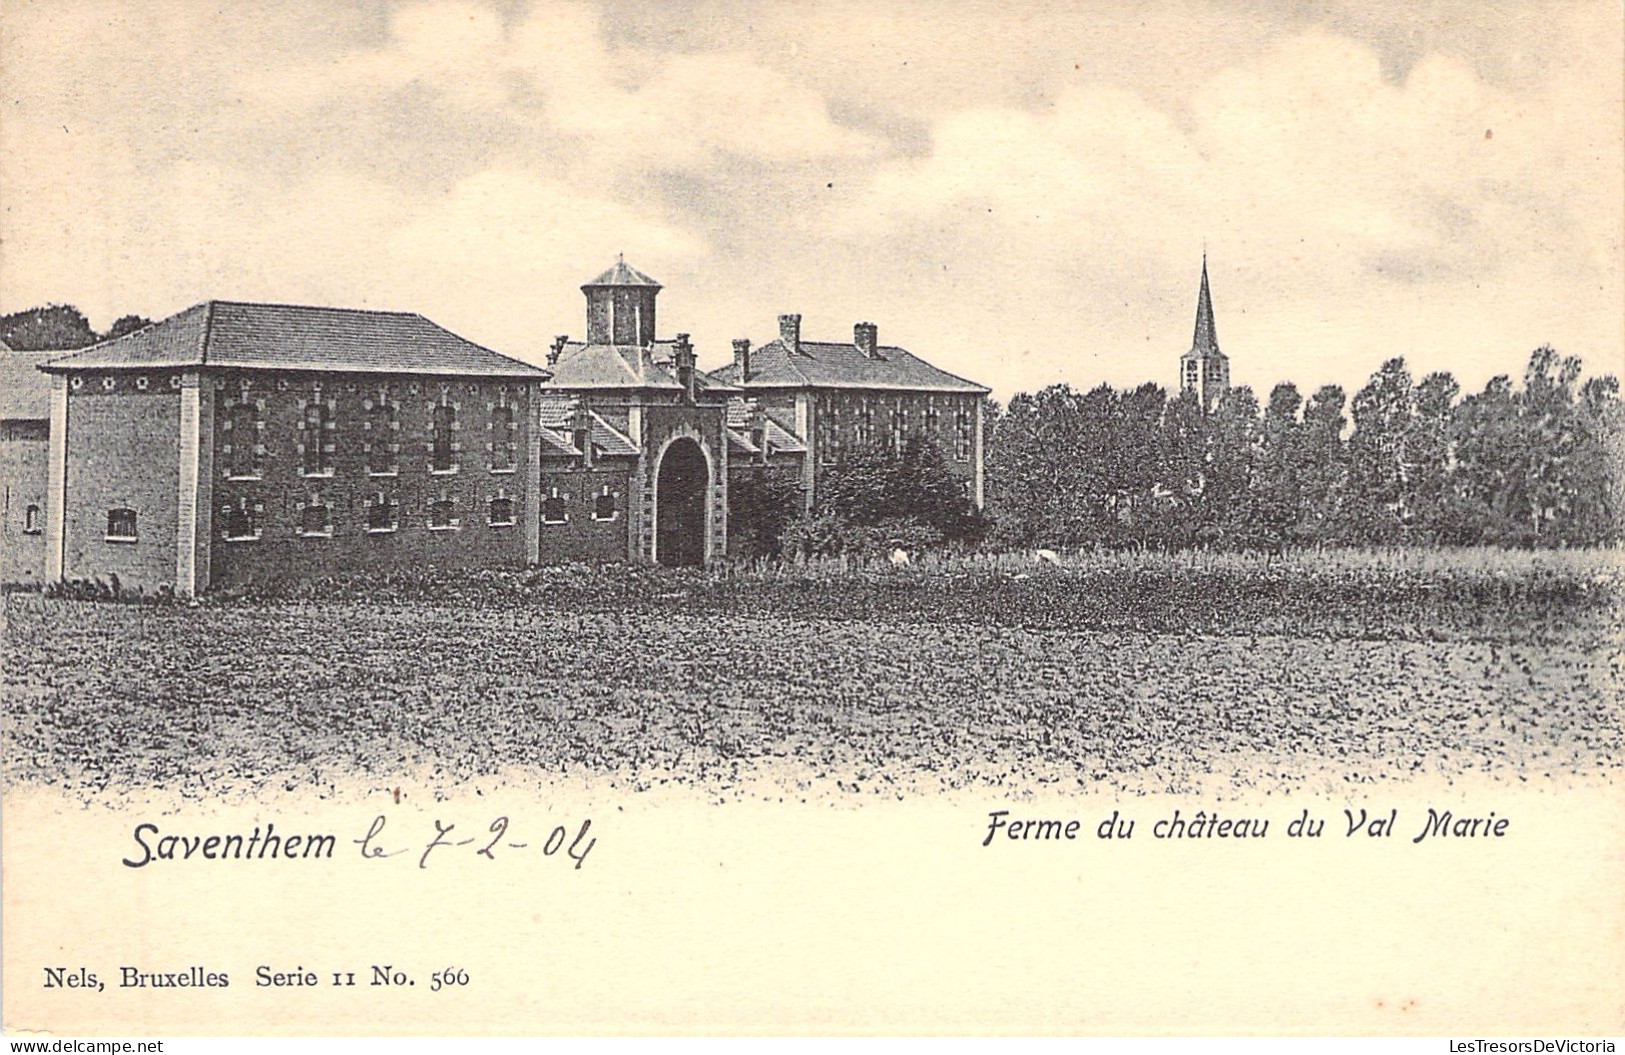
(320, 307)
(208, 331)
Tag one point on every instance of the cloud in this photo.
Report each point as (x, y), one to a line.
(1327, 190)
(620, 107)
(1028, 205)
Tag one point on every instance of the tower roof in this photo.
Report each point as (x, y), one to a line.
(622, 274)
(1206, 340)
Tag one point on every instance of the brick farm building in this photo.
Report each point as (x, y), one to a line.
(238, 442)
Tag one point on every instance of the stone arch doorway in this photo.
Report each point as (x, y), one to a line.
(680, 491)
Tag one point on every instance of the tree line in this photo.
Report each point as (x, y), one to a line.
(59, 326)
(1404, 462)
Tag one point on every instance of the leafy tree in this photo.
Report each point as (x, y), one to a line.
(1134, 463)
(1278, 485)
(51, 327)
(762, 502)
(1230, 518)
(126, 324)
(1599, 508)
(1428, 460)
(877, 488)
(1552, 436)
(1323, 467)
(1376, 507)
(1488, 479)
(1183, 479)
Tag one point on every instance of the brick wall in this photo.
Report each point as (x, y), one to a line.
(583, 533)
(23, 448)
(122, 453)
(343, 475)
(845, 421)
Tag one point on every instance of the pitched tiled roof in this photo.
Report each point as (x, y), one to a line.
(585, 366)
(557, 411)
(299, 337)
(611, 366)
(741, 412)
(25, 393)
(558, 444)
(742, 421)
(782, 439)
(622, 274)
(610, 440)
(823, 365)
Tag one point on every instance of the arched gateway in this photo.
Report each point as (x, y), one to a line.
(680, 490)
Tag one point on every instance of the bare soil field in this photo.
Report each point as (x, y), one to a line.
(1138, 673)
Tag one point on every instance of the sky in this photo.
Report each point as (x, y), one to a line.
(1021, 193)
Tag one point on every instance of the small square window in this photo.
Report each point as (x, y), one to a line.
(603, 506)
(501, 512)
(316, 521)
(238, 522)
(442, 516)
(553, 510)
(380, 515)
(121, 525)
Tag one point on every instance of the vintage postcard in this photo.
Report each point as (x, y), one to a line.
(730, 517)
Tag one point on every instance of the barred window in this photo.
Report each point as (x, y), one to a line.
(316, 520)
(443, 515)
(239, 521)
(553, 509)
(502, 439)
(829, 442)
(121, 525)
(244, 419)
(382, 446)
(380, 514)
(445, 418)
(318, 450)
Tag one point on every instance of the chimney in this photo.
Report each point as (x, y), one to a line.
(581, 431)
(790, 333)
(758, 430)
(683, 359)
(558, 349)
(866, 336)
(742, 358)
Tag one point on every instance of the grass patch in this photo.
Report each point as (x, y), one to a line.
(1131, 671)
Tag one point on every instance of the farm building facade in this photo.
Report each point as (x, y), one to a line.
(236, 442)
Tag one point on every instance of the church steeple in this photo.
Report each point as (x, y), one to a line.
(1206, 341)
(1204, 370)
